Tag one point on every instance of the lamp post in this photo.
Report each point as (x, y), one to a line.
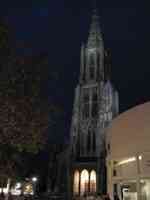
(34, 182)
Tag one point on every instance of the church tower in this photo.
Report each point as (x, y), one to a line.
(95, 105)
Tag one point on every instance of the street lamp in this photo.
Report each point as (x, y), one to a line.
(34, 181)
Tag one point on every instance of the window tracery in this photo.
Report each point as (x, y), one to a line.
(90, 103)
(94, 104)
(84, 183)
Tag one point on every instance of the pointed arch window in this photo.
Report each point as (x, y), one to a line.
(91, 67)
(98, 66)
(84, 183)
(84, 186)
(94, 142)
(91, 72)
(89, 141)
(82, 150)
(92, 59)
(78, 145)
(89, 102)
(94, 103)
(86, 104)
(93, 181)
(76, 182)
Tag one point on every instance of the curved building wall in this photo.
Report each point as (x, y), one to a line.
(128, 154)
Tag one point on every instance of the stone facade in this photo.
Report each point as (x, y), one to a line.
(80, 169)
(95, 105)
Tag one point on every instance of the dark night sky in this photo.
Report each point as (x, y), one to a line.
(59, 26)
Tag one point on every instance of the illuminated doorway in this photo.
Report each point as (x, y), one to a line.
(93, 182)
(84, 182)
(76, 183)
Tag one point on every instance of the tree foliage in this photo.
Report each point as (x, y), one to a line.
(24, 113)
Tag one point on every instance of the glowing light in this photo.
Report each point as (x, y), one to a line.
(28, 189)
(127, 161)
(142, 181)
(5, 190)
(84, 182)
(140, 157)
(93, 181)
(34, 179)
(76, 182)
(18, 185)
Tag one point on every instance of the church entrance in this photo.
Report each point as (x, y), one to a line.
(84, 183)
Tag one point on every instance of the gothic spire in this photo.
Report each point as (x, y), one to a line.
(94, 4)
(95, 35)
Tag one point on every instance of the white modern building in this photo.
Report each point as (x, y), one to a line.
(128, 154)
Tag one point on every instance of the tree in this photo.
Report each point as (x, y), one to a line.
(24, 114)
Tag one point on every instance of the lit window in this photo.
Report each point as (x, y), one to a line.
(84, 182)
(93, 181)
(76, 183)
